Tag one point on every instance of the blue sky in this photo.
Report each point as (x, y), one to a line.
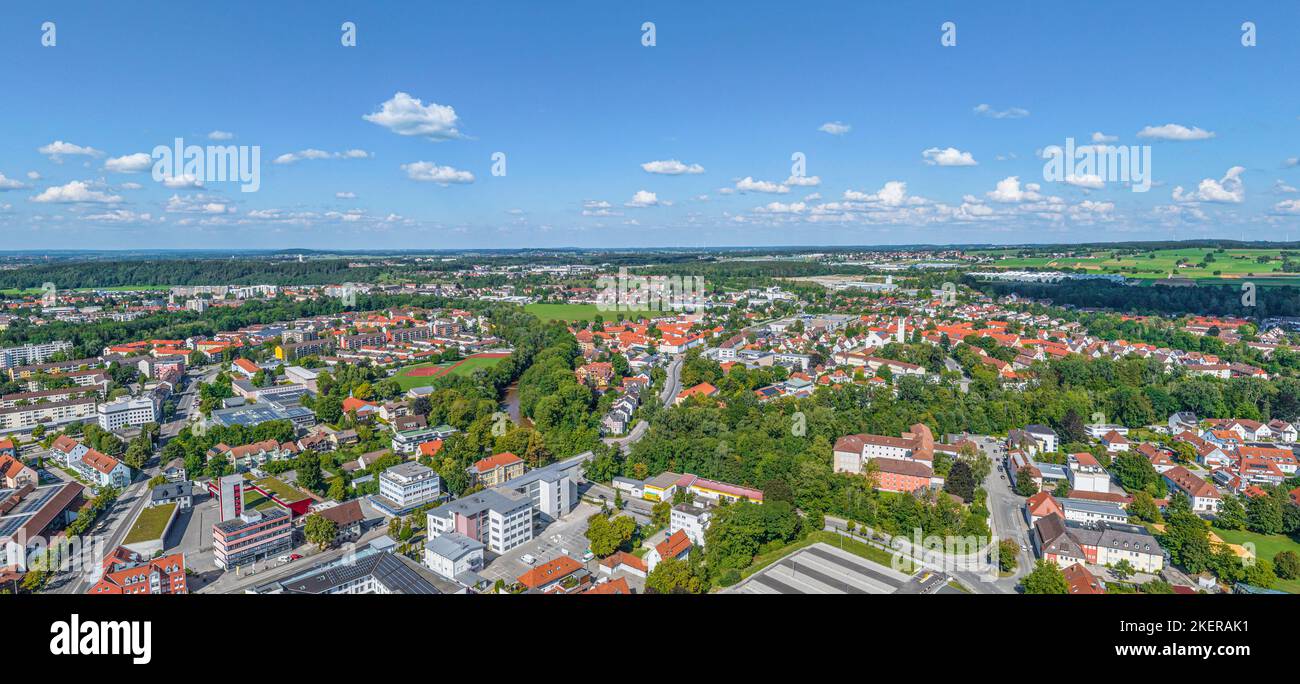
(578, 105)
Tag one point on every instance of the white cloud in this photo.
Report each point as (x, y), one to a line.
(310, 153)
(803, 181)
(1291, 162)
(198, 204)
(118, 216)
(76, 191)
(59, 149)
(748, 184)
(1011, 113)
(345, 195)
(1099, 137)
(950, 156)
(835, 128)
(780, 208)
(892, 194)
(643, 198)
(671, 167)
(220, 135)
(131, 186)
(186, 181)
(1008, 190)
(131, 163)
(1174, 132)
(1281, 187)
(1291, 206)
(1092, 182)
(433, 173)
(406, 115)
(33, 175)
(10, 184)
(1228, 189)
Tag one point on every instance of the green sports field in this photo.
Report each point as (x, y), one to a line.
(408, 377)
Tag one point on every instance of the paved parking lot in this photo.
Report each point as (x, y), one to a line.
(566, 534)
(823, 569)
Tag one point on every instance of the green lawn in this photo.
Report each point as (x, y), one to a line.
(151, 524)
(584, 312)
(1266, 546)
(1232, 264)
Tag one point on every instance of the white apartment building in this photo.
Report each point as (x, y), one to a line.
(691, 520)
(29, 354)
(50, 415)
(127, 412)
(409, 485)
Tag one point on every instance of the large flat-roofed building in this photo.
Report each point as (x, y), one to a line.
(553, 490)
(28, 354)
(252, 536)
(127, 412)
(373, 569)
(499, 519)
(407, 486)
(252, 415)
(30, 512)
(50, 415)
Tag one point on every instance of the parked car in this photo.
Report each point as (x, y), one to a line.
(295, 556)
(528, 558)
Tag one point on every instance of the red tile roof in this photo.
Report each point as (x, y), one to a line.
(674, 546)
(496, 461)
(549, 572)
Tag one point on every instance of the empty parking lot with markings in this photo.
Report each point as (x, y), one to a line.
(823, 569)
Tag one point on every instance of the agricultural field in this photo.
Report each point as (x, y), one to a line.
(1200, 263)
(583, 312)
(423, 374)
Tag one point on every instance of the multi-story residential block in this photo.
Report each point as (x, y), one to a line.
(127, 572)
(51, 414)
(127, 412)
(852, 452)
(28, 354)
(500, 519)
(1066, 542)
(1204, 497)
(407, 486)
(102, 470)
(691, 520)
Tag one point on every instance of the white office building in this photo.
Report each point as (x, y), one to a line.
(408, 485)
(127, 412)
